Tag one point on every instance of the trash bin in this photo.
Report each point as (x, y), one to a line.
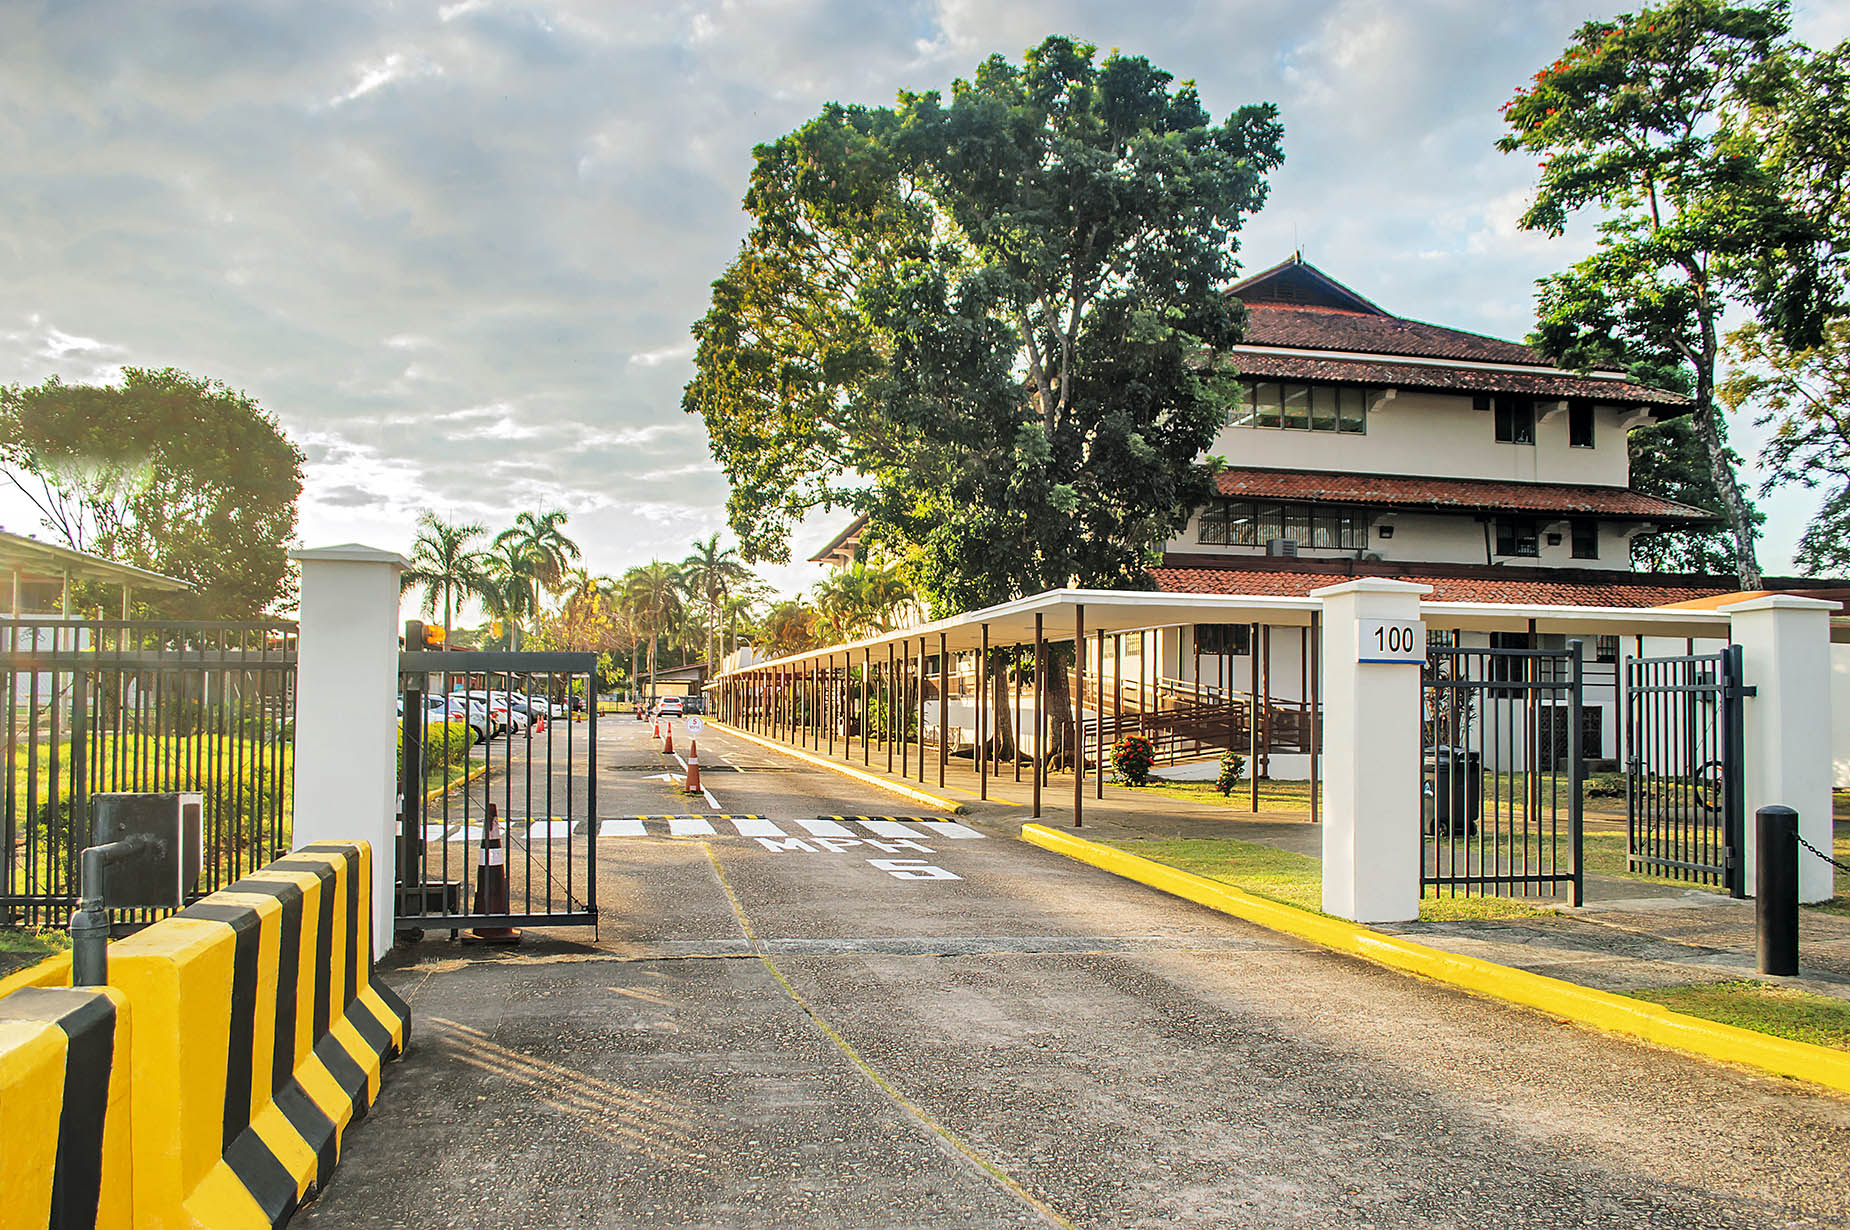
(1458, 789)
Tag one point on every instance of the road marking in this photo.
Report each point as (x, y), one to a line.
(551, 828)
(689, 826)
(912, 869)
(711, 801)
(628, 827)
(950, 828)
(682, 759)
(752, 827)
(889, 828)
(826, 828)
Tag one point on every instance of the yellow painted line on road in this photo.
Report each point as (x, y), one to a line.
(821, 762)
(949, 1138)
(1603, 1010)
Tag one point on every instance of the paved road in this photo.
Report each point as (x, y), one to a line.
(823, 1030)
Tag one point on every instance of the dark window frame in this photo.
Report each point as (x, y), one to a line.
(1518, 538)
(1318, 407)
(1232, 640)
(1515, 419)
(1230, 522)
(1580, 424)
(1584, 534)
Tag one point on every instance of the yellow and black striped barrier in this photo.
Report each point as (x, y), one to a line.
(887, 819)
(64, 1101)
(249, 1036)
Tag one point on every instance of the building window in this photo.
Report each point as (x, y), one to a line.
(1515, 419)
(1586, 540)
(1303, 407)
(1249, 523)
(1517, 536)
(1605, 649)
(1233, 639)
(1132, 642)
(1580, 424)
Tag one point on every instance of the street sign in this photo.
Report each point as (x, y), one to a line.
(1390, 640)
(693, 725)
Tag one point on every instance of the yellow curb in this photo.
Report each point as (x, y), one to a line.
(919, 796)
(1621, 1014)
(437, 792)
(53, 971)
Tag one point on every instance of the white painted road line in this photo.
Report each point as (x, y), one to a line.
(682, 759)
(889, 828)
(435, 832)
(825, 828)
(757, 828)
(689, 826)
(630, 827)
(550, 828)
(949, 828)
(711, 801)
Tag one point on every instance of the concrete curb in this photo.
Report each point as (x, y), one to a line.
(1603, 1010)
(917, 796)
(473, 775)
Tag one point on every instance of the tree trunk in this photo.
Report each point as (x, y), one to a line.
(1063, 737)
(1001, 731)
(1740, 527)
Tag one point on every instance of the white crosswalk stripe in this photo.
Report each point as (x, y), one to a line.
(912, 828)
(826, 828)
(889, 828)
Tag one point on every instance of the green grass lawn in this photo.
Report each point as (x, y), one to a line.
(1294, 879)
(1784, 1012)
(29, 946)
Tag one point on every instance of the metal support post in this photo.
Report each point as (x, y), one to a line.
(1079, 715)
(1040, 712)
(1776, 881)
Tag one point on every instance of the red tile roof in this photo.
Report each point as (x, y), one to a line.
(1457, 379)
(1327, 328)
(1451, 494)
(1514, 588)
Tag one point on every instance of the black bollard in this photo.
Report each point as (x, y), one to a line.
(1776, 883)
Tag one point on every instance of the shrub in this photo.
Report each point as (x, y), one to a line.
(1132, 757)
(1232, 769)
(457, 735)
(1605, 786)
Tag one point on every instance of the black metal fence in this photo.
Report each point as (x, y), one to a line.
(1684, 798)
(498, 820)
(1502, 767)
(120, 705)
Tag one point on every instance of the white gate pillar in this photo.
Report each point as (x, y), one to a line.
(346, 727)
(1785, 645)
(1371, 755)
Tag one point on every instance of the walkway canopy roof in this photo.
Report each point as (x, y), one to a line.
(29, 561)
(1112, 611)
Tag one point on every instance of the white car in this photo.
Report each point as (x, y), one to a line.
(670, 706)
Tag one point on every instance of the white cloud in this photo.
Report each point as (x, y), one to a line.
(667, 354)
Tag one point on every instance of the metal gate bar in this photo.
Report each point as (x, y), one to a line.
(1501, 807)
(540, 784)
(1684, 796)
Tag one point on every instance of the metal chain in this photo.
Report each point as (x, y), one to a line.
(1821, 854)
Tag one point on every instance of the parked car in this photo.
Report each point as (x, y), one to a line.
(671, 706)
(508, 720)
(694, 704)
(444, 709)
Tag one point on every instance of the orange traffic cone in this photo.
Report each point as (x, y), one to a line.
(657, 733)
(693, 768)
(668, 741)
(491, 893)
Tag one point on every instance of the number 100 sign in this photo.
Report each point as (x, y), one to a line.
(1390, 640)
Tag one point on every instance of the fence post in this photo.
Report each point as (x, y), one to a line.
(346, 734)
(1785, 645)
(1371, 732)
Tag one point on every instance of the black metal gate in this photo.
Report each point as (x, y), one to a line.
(498, 815)
(97, 705)
(1501, 772)
(1684, 799)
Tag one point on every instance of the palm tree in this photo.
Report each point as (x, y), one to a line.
(789, 627)
(542, 539)
(443, 564)
(862, 599)
(512, 573)
(711, 573)
(654, 593)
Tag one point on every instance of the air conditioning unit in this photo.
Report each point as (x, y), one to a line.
(1281, 546)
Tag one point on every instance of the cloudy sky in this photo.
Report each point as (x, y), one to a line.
(456, 247)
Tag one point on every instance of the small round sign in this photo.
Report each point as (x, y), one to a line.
(694, 724)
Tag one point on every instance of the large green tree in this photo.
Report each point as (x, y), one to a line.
(711, 572)
(445, 566)
(166, 471)
(990, 322)
(994, 324)
(1648, 119)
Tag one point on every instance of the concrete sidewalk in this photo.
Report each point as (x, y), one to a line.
(1630, 935)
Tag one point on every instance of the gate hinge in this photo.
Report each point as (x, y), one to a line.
(1729, 859)
(1747, 689)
